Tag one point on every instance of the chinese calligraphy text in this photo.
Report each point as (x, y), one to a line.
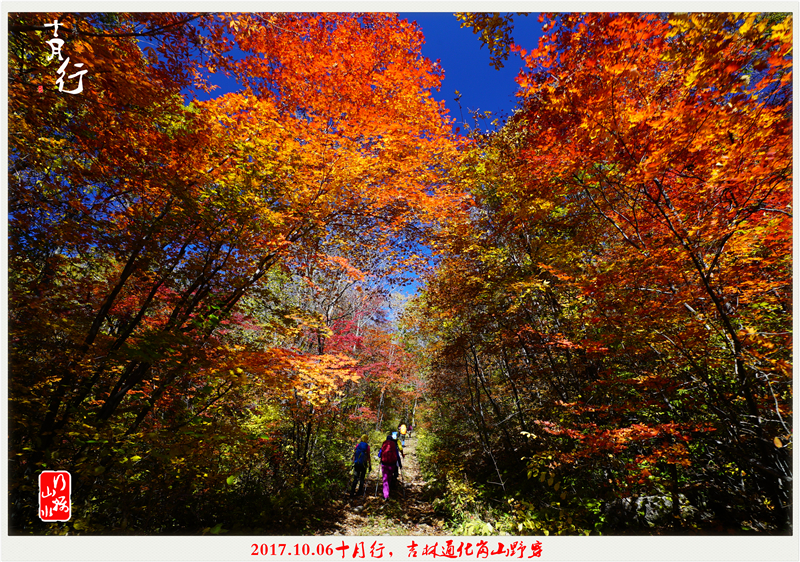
(55, 488)
(56, 44)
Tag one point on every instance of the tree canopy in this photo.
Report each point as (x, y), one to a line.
(187, 274)
(200, 282)
(618, 304)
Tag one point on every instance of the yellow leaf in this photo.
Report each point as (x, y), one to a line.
(748, 23)
(783, 30)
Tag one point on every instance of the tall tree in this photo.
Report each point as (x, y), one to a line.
(630, 248)
(140, 216)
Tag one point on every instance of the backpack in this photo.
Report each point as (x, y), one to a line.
(360, 456)
(389, 452)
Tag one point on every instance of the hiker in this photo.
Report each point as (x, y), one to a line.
(402, 429)
(395, 436)
(390, 462)
(400, 445)
(362, 465)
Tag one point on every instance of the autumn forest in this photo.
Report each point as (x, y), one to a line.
(204, 286)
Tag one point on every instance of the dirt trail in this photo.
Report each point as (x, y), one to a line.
(408, 513)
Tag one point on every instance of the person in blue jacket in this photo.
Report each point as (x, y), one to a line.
(362, 464)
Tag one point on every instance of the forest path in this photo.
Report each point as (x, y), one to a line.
(409, 512)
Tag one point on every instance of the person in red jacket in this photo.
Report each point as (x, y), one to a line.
(390, 462)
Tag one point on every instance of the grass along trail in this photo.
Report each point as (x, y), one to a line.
(408, 512)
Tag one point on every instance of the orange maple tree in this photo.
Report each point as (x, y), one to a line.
(141, 216)
(629, 257)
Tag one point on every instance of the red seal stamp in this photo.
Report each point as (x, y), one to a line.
(55, 491)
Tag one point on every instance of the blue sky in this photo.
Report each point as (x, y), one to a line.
(466, 65)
